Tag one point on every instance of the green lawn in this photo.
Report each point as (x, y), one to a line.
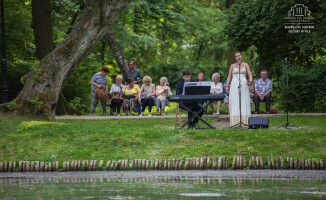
(24, 139)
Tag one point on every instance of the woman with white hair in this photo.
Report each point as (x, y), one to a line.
(216, 88)
(162, 91)
(116, 95)
(146, 95)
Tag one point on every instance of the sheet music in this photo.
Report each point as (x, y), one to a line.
(202, 83)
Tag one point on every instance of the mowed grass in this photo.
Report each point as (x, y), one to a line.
(25, 139)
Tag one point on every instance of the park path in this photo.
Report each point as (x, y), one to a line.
(220, 117)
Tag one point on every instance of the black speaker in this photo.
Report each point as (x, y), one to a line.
(258, 122)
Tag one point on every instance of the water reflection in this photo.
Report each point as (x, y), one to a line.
(160, 179)
(122, 186)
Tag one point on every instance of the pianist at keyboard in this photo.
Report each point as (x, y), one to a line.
(194, 106)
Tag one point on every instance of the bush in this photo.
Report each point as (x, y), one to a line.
(76, 103)
(307, 88)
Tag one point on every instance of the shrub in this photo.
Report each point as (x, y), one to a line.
(307, 88)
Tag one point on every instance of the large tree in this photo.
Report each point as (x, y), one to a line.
(44, 44)
(42, 86)
(42, 25)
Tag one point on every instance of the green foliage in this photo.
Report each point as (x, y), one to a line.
(261, 23)
(37, 103)
(20, 46)
(167, 37)
(307, 89)
(12, 105)
(39, 75)
(76, 104)
(65, 14)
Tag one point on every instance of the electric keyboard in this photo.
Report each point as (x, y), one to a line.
(189, 98)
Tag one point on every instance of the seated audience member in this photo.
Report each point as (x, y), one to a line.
(162, 92)
(263, 89)
(146, 95)
(116, 95)
(99, 81)
(194, 106)
(130, 92)
(200, 76)
(216, 88)
(226, 99)
(136, 75)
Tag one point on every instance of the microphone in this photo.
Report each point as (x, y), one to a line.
(239, 63)
(286, 60)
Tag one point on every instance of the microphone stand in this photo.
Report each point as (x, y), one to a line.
(287, 98)
(240, 124)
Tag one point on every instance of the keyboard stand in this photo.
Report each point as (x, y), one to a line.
(196, 114)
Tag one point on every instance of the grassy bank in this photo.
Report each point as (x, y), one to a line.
(23, 139)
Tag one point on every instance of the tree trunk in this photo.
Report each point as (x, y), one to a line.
(42, 25)
(43, 34)
(229, 3)
(118, 55)
(43, 85)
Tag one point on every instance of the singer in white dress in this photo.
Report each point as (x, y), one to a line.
(234, 78)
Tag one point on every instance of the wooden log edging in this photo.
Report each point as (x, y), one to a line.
(196, 163)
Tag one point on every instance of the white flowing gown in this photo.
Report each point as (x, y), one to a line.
(234, 97)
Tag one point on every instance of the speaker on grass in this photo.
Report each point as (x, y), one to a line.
(258, 122)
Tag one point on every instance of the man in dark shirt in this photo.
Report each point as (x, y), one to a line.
(186, 77)
(136, 75)
(133, 73)
(194, 106)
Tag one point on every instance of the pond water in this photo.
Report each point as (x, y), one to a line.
(144, 186)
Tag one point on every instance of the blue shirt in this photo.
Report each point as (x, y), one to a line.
(263, 86)
(224, 92)
(99, 79)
